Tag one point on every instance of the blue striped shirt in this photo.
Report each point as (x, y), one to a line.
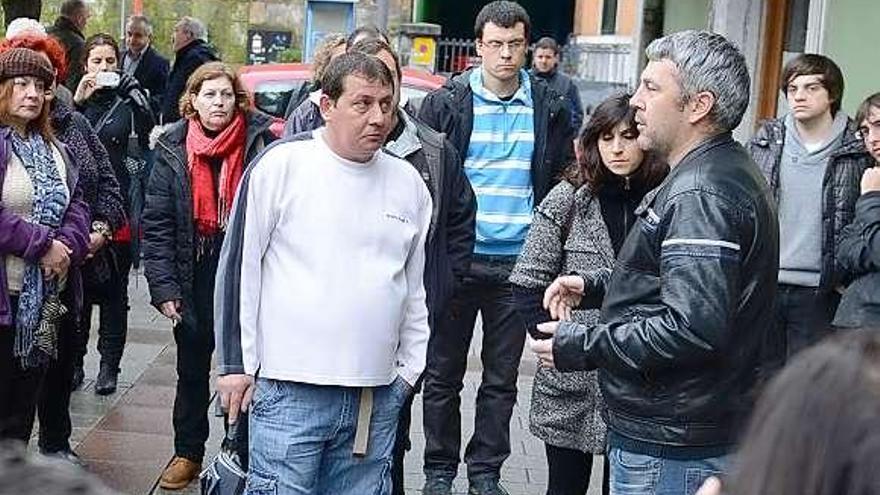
(498, 165)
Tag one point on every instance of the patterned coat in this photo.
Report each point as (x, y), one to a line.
(566, 408)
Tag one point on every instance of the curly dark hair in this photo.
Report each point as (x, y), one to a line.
(590, 170)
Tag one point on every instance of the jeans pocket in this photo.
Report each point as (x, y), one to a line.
(633, 474)
(267, 392)
(260, 484)
(695, 477)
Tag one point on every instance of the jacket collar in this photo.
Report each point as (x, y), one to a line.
(68, 25)
(408, 142)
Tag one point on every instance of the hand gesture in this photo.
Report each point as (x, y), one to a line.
(544, 348)
(171, 310)
(56, 261)
(871, 180)
(563, 295)
(96, 242)
(85, 89)
(235, 392)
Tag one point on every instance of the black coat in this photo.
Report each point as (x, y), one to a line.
(74, 43)
(169, 234)
(687, 325)
(152, 73)
(564, 85)
(859, 253)
(186, 61)
(132, 108)
(451, 234)
(450, 110)
(96, 176)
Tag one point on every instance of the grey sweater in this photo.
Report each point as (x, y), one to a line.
(800, 204)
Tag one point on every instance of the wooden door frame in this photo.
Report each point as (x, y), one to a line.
(775, 13)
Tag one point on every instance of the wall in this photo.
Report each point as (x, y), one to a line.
(850, 28)
(685, 14)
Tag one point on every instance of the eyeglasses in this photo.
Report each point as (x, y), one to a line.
(496, 45)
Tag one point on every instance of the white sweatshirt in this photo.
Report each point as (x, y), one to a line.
(331, 275)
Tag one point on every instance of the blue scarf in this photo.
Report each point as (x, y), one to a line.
(50, 202)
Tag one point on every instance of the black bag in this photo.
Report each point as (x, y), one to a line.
(225, 475)
(99, 269)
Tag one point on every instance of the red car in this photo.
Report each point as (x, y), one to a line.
(272, 86)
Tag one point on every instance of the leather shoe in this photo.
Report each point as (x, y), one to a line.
(179, 473)
(437, 485)
(488, 486)
(105, 384)
(78, 376)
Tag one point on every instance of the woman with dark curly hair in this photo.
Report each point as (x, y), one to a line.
(580, 226)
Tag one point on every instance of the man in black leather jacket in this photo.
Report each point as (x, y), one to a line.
(687, 319)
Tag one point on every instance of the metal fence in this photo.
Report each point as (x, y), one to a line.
(599, 62)
(455, 55)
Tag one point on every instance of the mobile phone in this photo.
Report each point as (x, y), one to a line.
(107, 79)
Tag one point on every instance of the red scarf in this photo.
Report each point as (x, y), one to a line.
(209, 211)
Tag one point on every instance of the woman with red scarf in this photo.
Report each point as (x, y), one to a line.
(200, 161)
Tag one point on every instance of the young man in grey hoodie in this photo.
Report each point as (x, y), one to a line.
(813, 162)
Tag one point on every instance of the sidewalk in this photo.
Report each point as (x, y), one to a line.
(127, 439)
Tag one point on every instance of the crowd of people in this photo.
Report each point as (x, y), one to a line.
(700, 310)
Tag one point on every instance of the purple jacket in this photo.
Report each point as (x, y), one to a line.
(31, 241)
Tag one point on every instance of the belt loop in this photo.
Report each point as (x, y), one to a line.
(365, 411)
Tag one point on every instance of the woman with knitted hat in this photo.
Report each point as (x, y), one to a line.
(200, 160)
(44, 230)
(101, 192)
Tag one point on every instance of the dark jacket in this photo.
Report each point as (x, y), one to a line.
(688, 311)
(169, 234)
(74, 43)
(119, 109)
(305, 117)
(859, 254)
(96, 176)
(451, 233)
(152, 73)
(30, 241)
(840, 188)
(450, 110)
(186, 61)
(564, 85)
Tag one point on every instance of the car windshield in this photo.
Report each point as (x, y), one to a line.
(273, 97)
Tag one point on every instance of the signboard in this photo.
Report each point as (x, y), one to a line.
(423, 50)
(265, 45)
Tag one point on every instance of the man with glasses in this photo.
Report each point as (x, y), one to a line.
(514, 136)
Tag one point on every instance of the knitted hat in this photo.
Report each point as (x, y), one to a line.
(25, 62)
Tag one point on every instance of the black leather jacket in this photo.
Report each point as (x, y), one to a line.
(687, 321)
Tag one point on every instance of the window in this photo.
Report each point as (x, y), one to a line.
(609, 16)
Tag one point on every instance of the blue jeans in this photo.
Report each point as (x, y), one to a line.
(302, 438)
(639, 474)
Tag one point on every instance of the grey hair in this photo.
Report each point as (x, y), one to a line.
(194, 27)
(707, 61)
(72, 7)
(143, 21)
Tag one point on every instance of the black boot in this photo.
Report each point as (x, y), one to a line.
(78, 376)
(105, 384)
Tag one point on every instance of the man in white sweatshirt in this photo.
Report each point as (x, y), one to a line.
(322, 269)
